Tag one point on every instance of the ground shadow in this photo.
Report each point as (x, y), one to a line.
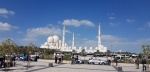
(7, 70)
(85, 68)
(44, 67)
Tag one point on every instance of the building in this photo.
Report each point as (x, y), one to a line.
(53, 42)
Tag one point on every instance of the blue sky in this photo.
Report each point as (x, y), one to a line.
(125, 24)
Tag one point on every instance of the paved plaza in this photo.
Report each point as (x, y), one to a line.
(43, 66)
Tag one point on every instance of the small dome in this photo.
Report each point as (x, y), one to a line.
(90, 48)
(85, 48)
(96, 48)
(79, 47)
(56, 38)
(50, 39)
(45, 43)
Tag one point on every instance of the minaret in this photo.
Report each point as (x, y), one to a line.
(99, 37)
(63, 36)
(73, 41)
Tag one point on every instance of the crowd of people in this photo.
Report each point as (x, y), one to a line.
(4, 58)
(59, 59)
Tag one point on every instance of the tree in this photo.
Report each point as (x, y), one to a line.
(108, 51)
(97, 52)
(146, 52)
(8, 48)
(73, 51)
(83, 50)
(29, 50)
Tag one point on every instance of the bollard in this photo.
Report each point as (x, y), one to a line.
(50, 65)
(119, 69)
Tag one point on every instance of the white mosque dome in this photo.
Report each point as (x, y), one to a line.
(56, 38)
(60, 41)
(45, 43)
(90, 48)
(50, 39)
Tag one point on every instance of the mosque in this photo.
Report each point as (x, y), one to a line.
(53, 42)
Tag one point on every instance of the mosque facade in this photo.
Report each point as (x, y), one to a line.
(53, 42)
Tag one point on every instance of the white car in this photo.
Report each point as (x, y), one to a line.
(97, 61)
(80, 62)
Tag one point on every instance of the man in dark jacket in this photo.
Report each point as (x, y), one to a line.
(144, 64)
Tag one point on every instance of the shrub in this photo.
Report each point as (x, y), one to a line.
(46, 56)
(67, 57)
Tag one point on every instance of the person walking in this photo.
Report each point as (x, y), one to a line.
(56, 58)
(137, 63)
(116, 60)
(72, 59)
(144, 64)
(62, 58)
(59, 58)
(24, 57)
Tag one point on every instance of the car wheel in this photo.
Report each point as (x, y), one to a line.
(93, 63)
(82, 62)
(102, 63)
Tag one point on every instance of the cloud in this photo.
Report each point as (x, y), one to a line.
(111, 18)
(112, 24)
(130, 20)
(85, 39)
(20, 32)
(78, 34)
(118, 43)
(111, 38)
(41, 31)
(77, 23)
(5, 16)
(4, 12)
(67, 31)
(148, 23)
(6, 27)
(111, 13)
(51, 25)
(140, 29)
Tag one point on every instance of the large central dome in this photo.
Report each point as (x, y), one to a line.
(56, 38)
(50, 39)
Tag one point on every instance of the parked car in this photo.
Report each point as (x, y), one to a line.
(97, 61)
(80, 62)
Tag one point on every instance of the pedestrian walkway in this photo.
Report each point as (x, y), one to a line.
(43, 66)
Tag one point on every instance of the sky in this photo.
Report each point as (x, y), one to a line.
(125, 24)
